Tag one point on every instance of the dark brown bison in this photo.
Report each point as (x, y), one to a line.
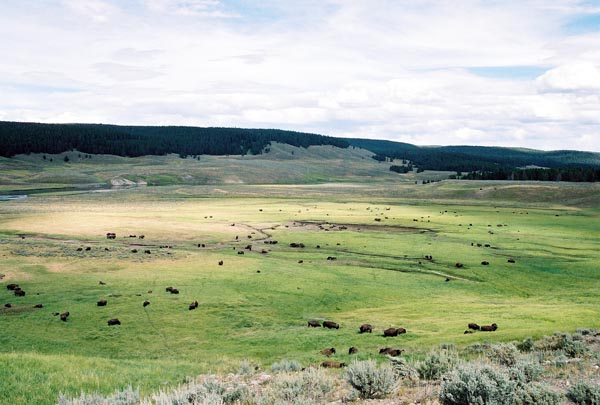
(8, 305)
(428, 257)
(240, 252)
(19, 292)
(111, 235)
(459, 265)
(220, 262)
(64, 316)
(169, 289)
(134, 251)
(38, 306)
(391, 352)
(473, 326)
(331, 325)
(489, 328)
(364, 328)
(79, 249)
(248, 247)
(113, 321)
(146, 303)
(352, 350)
(102, 303)
(296, 245)
(511, 260)
(389, 332)
(12, 287)
(141, 236)
(147, 252)
(193, 305)
(174, 291)
(331, 258)
(87, 249)
(485, 263)
(101, 283)
(332, 364)
(314, 324)
(300, 261)
(328, 352)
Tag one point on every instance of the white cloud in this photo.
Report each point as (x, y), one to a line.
(579, 76)
(379, 68)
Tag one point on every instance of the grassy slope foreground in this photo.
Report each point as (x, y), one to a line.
(256, 305)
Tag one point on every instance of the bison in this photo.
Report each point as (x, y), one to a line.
(7, 305)
(174, 291)
(331, 325)
(64, 316)
(511, 260)
(489, 328)
(352, 350)
(146, 303)
(428, 257)
(240, 252)
(102, 303)
(331, 258)
(389, 332)
(314, 324)
(296, 245)
(485, 263)
(391, 352)
(333, 364)
(364, 328)
(220, 262)
(38, 306)
(169, 289)
(328, 352)
(473, 326)
(113, 321)
(459, 265)
(193, 305)
(19, 292)
(111, 235)
(101, 282)
(12, 287)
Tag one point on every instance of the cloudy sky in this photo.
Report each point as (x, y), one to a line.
(490, 72)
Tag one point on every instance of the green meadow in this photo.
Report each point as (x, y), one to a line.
(256, 305)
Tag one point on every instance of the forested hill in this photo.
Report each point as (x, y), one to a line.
(22, 138)
(480, 158)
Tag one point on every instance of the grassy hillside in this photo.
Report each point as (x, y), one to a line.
(379, 234)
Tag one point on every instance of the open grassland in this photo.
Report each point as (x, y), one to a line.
(255, 306)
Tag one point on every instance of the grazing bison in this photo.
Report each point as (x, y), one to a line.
(102, 303)
(101, 283)
(12, 287)
(133, 250)
(38, 306)
(489, 328)
(333, 364)
(7, 305)
(240, 252)
(193, 305)
(314, 324)
(220, 262)
(364, 328)
(19, 292)
(352, 350)
(328, 352)
(485, 263)
(64, 316)
(87, 249)
(459, 265)
(296, 245)
(473, 326)
(300, 261)
(389, 332)
(169, 289)
(174, 291)
(331, 325)
(79, 249)
(511, 260)
(331, 258)
(146, 303)
(147, 252)
(113, 321)
(111, 235)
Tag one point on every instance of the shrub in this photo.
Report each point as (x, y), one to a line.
(526, 345)
(526, 370)
(370, 380)
(572, 347)
(472, 384)
(477, 348)
(207, 392)
(584, 393)
(504, 354)
(246, 368)
(437, 362)
(307, 387)
(586, 331)
(285, 366)
(535, 394)
(127, 396)
(402, 369)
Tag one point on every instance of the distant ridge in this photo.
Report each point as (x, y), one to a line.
(131, 141)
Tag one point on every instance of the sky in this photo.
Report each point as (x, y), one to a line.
(520, 73)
